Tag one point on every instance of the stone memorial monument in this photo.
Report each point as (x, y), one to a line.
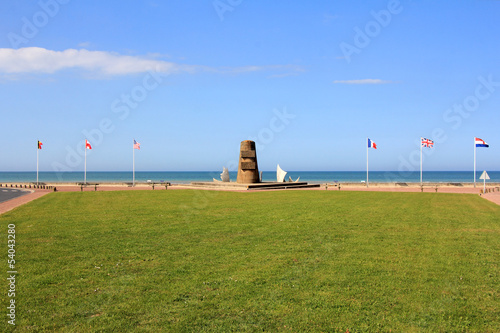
(248, 170)
(249, 177)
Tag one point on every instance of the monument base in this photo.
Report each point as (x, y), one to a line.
(253, 186)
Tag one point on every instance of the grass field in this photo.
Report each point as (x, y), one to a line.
(291, 261)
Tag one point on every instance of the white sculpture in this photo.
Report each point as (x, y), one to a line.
(280, 175)
(290, 180)
(225, 175)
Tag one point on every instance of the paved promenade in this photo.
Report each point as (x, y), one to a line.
(37, 193)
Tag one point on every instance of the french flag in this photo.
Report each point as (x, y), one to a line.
(372, 144)
(480, 143)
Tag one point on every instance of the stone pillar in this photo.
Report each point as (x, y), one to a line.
(248, 170)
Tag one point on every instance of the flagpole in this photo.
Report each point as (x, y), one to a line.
(484, 186)
(85, 169)
(420, 161)
(37, 149)
(474, 162)
(133, 165)
(367, 161)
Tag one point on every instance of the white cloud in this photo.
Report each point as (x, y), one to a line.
(363, 81)
(33, 60)
(285, 70)
(40, 60)
(84, 45)
(329, 18)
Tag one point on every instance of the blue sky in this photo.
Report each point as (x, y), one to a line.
(189, 80)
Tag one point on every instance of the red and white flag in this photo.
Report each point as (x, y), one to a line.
(87, 144)
(137, 145)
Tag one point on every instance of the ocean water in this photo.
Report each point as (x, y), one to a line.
(181, 177)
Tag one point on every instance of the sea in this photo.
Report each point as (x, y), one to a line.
(184, 177)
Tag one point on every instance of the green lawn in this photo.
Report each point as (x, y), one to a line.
(291, 261)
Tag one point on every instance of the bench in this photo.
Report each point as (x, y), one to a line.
(166, 184)
(82, 185)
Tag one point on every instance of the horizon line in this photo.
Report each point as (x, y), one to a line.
(259, 170)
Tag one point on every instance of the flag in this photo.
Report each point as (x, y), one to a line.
(87, 145)
(372, 144)
(137, 145)
(427, 143)
(40, 145)
(480, 143)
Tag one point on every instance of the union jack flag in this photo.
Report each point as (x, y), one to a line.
(427, 143)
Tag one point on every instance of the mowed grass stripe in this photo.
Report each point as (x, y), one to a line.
(220, 261)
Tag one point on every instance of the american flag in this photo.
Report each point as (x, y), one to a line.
(427, 143)
(137, 145)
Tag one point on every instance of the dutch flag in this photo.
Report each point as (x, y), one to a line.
(480, 143)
